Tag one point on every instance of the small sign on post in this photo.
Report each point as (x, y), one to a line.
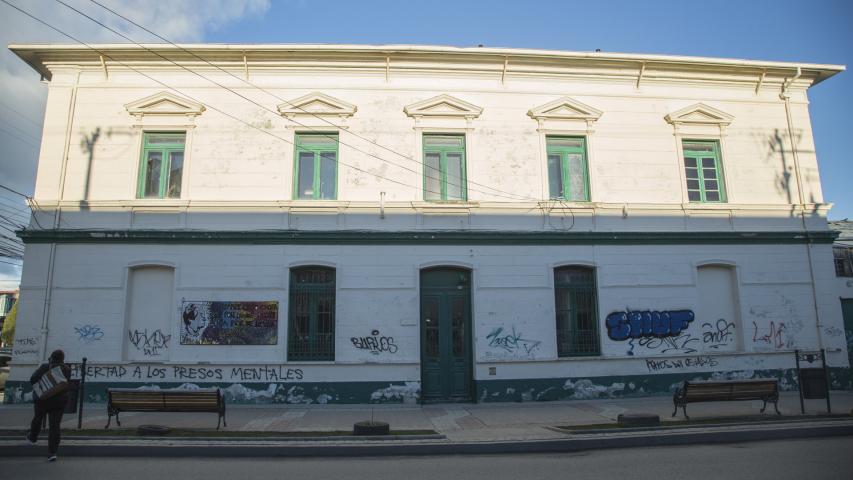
(813, 379)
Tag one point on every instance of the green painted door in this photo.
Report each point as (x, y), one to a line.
(446, 355)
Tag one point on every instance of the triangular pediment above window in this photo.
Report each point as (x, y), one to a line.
(565, 108)
(317, 103)
(164, 103)
(699, 113)
(443, 106)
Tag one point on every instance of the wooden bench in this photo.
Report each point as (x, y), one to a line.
(766, 390)
(130, 400)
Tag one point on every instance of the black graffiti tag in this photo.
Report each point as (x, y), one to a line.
(511, 341)
(375, 344)
(719, 334)
(152, 343)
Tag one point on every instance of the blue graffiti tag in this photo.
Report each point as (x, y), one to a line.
(89, 333)
(644, 324)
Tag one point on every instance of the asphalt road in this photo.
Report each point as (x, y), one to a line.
(830, 458)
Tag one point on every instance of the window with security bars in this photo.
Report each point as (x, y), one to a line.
(311, 318)
(568, 178)
(704, 171)
(162, 165)
(576, 305)
(843, 261)
(316, 166)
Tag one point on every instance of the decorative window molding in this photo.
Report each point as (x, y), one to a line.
(164, 103)
(699, 114)
(317, 104)
(565, 109)
(443, 106)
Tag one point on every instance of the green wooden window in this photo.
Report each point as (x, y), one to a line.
(568, 176)
(162, 165)
(311, 314)
(444, 168)
(576, 306)
(704, 171)
(316, 166)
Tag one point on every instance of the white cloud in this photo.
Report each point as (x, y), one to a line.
(23, 100)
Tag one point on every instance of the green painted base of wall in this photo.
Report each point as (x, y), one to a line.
(517, 390)
(584, 388)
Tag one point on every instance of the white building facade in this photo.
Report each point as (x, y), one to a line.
(354, 224)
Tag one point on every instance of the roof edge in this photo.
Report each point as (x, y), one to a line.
(30, 53)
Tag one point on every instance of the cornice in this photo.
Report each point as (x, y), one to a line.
(416, 57)
(426, 237)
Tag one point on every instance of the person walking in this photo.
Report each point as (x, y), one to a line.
(53, 406)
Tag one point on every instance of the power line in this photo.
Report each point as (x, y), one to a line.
(4, 187)
(275, 113)
(246, 81)
(11, 263)
(106, 55)
(20, 139)
(25, 117)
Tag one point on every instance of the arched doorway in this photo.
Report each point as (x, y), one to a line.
(446, 345)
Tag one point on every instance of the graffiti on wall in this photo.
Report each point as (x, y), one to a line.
(511, 342)
(89, 333)
(25, 346)
(252, 373)
(771, 335)
(662, 331)
(229, 323)
(375, 343)
(719, 334)
(680, 363)
(151, 344)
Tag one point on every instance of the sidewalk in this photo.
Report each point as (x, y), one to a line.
(487, 422)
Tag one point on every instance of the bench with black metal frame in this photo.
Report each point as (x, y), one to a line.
(766, 390)
(130, 400)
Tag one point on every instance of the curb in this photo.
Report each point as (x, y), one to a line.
(253, 449)
(155, 439)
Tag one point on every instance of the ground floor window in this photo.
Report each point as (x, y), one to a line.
(311, 318)
(576, 305)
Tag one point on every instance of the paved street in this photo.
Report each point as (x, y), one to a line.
(792, 459)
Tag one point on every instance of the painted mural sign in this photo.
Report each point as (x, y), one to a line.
(661, 331)
(229, 323)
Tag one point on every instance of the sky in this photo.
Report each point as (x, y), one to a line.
(820, 31)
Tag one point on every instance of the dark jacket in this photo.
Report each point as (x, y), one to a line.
(57, 401)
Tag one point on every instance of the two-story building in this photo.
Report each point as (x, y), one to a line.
(320, 223)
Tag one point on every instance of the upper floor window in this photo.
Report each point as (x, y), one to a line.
(567, 169)
(316, 166)
(444, 168)
(704, 171)
(162, 165)
(576, 307)
(843, 261)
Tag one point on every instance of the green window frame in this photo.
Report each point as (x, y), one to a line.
(311, 314)
(576, 305)
(161, 165)
(445, 177)
(703, 170)
(568, 172)
(315, 166)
